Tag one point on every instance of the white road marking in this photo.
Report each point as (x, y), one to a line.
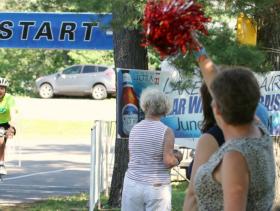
(39, 186)
(34, 174)
(32, 191)
(46, 172)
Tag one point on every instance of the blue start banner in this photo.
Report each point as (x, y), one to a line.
(185, 118)
(56, 31)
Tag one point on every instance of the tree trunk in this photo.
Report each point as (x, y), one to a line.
(128, 53)
(120, 166)
(269, 33)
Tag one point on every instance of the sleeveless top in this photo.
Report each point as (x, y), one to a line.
(146, 143)
(258, 153)
(217, 133)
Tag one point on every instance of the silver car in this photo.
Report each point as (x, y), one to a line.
(79, 80)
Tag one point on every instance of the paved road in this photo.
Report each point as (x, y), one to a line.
(52, 167)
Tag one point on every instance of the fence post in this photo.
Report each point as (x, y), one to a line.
(99, 160)
(92, 162)
(99, 169)
(92, 167)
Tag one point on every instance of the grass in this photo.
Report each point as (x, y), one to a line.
(178, 195)
(69, 203)
(30, 129)
(79, 202)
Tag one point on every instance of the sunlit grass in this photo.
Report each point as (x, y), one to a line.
(54, 128)
(178, 195)
(68, 203)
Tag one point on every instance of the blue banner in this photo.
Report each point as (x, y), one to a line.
(56, 31)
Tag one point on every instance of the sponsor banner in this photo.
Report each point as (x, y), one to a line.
(186, 116)
(270, 90)
(56, 30)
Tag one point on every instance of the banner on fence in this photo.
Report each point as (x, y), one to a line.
(186, 115)
(56, 30)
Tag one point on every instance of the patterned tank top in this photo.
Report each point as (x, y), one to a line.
(146, 143)
(258, 153)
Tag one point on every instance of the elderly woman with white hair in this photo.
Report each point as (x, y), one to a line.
(151, 156)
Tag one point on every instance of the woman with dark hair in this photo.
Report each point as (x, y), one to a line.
(208, 143)
(208, 116)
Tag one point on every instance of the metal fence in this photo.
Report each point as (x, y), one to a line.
(13, 153)
(14, 148)
(103, 136)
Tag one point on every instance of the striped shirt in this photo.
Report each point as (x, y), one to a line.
(146, 143)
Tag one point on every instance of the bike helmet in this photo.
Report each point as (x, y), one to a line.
(4, 82)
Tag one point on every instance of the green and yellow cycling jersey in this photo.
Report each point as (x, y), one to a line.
(6, 105)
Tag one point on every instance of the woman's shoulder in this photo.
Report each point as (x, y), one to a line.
(148, 125)
(217, 133)
(207, 141)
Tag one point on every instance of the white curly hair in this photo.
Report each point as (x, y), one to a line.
(155, 102)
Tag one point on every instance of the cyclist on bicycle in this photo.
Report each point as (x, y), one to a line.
(7, 112)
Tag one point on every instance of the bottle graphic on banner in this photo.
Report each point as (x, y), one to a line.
(129, 106)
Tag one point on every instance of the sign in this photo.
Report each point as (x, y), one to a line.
(270, 90)
(246, 32)
(186, 116)
(56, 30)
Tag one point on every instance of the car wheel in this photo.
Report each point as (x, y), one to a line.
(46, 91)
(99, 92)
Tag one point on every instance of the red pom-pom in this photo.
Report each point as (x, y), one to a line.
(168, 25)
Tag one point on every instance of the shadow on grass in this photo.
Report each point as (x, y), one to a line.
(69, 203)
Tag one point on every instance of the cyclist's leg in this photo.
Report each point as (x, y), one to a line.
(3, 140)
(3, 170)
(2, 148)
